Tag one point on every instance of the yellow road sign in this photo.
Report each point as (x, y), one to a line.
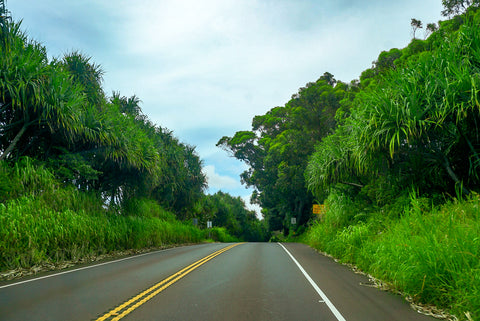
(318, 208)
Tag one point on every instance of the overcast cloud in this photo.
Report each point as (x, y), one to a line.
(205, 68)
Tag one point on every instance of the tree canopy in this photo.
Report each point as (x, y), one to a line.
(278, 146)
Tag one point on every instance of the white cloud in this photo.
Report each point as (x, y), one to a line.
(253, 207)
(219, 182)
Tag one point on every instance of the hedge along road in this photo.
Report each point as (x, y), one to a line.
(238, 281)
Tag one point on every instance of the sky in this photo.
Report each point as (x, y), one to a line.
(204, 69)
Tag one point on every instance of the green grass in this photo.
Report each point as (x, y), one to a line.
(32, 233)
(220, 234)
(42, 221)
(430, 254)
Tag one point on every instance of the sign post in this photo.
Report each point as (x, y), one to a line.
(209, 226)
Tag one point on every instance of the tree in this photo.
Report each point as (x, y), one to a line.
(277, 150)
(431, 28)
(230, 212)
(86, 73)
(456, 7)
(386, 60)
(416, 24)
(56, 112)
(5, 18)
(37, 97)
(329, 78)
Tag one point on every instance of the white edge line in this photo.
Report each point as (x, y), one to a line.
(83, 268)
(315, 286)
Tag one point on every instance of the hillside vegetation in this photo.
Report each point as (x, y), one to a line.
(394, 157)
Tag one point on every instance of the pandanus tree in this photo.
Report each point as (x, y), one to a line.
(87, 74)
(429, 110)
(36, 97)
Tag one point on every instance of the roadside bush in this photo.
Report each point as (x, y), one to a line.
(147, 208)
(219, 234)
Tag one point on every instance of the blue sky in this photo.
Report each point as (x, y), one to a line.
(205, 68)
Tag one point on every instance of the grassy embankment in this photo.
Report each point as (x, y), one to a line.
(42, 221)
(430, 254)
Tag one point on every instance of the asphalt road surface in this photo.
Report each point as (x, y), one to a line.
(236, 281)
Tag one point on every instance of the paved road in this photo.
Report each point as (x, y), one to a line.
(250, 281)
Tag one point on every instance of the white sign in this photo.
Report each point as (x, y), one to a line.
(293, 220)
(209, 224)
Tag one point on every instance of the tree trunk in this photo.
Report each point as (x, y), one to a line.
(352, 184)
(14, 141)
(469, 143)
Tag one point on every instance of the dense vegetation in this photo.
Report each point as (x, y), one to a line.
(84, 173)
(395, 159)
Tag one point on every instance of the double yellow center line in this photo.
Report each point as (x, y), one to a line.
(130, 305)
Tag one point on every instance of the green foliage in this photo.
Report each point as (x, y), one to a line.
(455, 7)
(429, 253)
(144, 207)
(418, 126)
(33, 232)
(230, 214)
(220, 234)
(386, 60)
(82, 173)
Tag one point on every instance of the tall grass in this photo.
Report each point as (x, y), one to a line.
(430, 254)
(220, 234)
(33, 233)
(42, 221)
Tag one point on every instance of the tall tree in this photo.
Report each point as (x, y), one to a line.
(416, 24)
(278, 147)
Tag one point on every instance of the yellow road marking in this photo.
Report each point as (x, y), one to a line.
(130, 305)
